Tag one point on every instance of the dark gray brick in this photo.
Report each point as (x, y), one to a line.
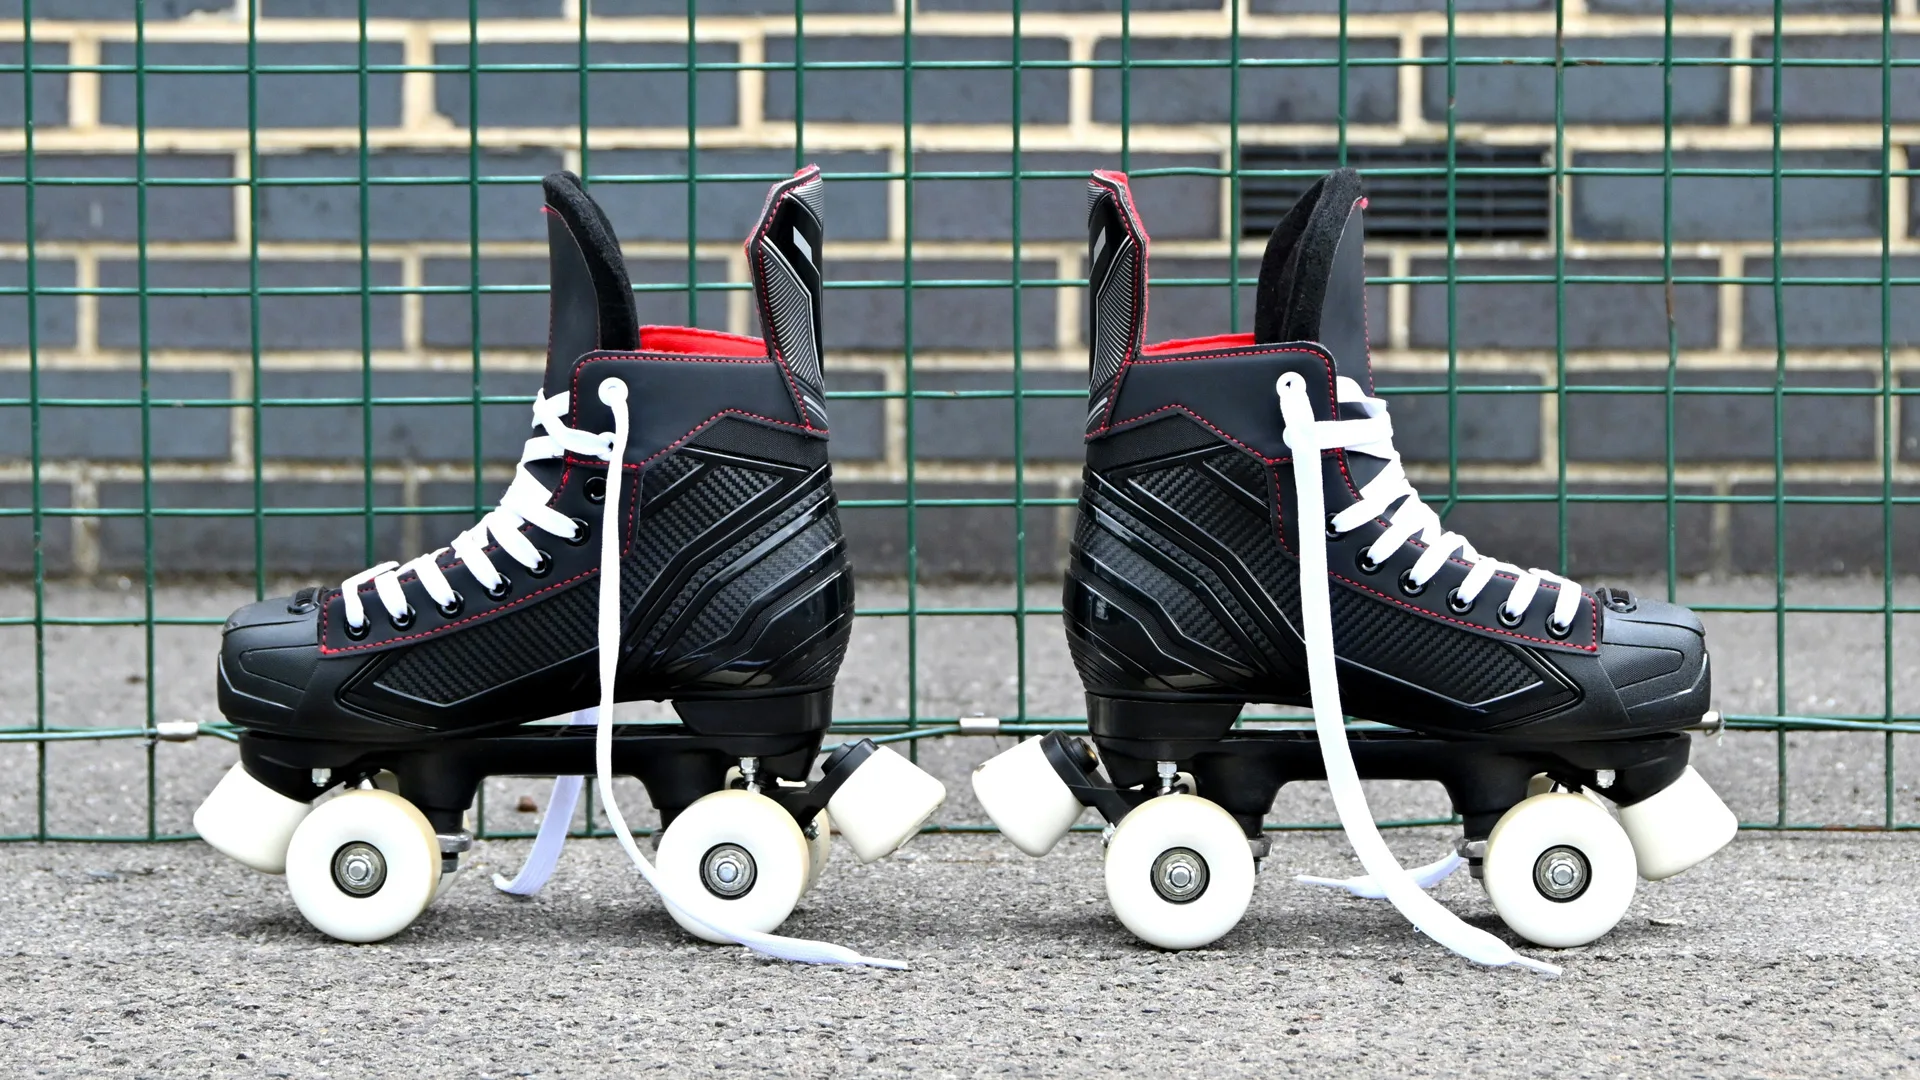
(1836, 93)
(1068, 5)
(1598, 315)
(981, 429)
(859, 425)
(1372, 7)
(969, 319)
(286, 100)
(1268, 95)
(952, 541)
(16, 533)
(222, 322)
(1173, 207)
(156, 10)
(68, 211)
(400, 212)
(1185, 311)
(1489, 427)
(1909, 449)
(614, 98)
(1736, 7)
(1602, 537)
(1825, 538)
(178, 432)
(1728, 207)
(741, 7)
(940, 96)
(1831, 316)
(1594, 93)
(727, 210)
(298, 544)
(407, 9)
(56, 314)
(519, 320)
(49, 88)
(412, 433)
(1719, 427)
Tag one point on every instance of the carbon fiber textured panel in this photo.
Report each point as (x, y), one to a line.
(727, 558)
(1455, 663)
(1189, 614)
(723, 613)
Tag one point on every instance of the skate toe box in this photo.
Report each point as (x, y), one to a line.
(1656, 655)
(268, 652)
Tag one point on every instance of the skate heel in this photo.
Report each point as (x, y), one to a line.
(1678, 827)
(883, 804)
(250, 822)
(1026, 798)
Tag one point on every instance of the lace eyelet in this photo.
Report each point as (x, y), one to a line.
(402, 620)
(596, 489)
(359, 633)
(543, 567)
(1410, 586)
(1510, 619)
(582, 532)
(1333, 533)
(1365, 563)
(448, 611)
(500, 589)
(1555, 630)
(1457, 605)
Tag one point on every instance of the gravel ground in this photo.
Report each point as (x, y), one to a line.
(1786, 955)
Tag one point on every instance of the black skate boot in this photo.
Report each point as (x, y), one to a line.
(1246, 534)
(708, 570)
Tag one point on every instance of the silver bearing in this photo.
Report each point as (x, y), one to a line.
(359, 869)
(1561, 874)
(727, 870)
(1179, 875)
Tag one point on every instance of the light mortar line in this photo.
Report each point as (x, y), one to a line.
(1732, 302)
(83, 93)
(1740, 85)
(417, 108)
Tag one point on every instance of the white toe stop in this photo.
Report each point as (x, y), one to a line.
(1677, 828)
(249, 822)
(1026, 798)
(884, 803)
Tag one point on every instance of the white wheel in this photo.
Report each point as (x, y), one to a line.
(737, 859)
(884, 803)
(1025, 797)
(1179, 872)
(363, 865)
(1559, 870)
(819, 848)
(1678, 827)
(249, 822)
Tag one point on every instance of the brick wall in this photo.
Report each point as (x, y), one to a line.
(203, 221)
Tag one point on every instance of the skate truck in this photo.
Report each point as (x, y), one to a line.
(706, 568)
(1246, 533)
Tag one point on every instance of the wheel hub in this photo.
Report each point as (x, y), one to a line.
(1561, 874)
(1180, 875)
(359, 869)
(727, 870)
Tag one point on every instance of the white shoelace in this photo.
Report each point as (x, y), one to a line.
(526, 503)
(1307, 437)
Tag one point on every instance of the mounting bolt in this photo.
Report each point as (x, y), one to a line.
(1603, 778)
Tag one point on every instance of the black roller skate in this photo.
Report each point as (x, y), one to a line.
(1246, 534)
(708, 570)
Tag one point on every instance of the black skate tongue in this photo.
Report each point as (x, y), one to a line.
(784, 255)
(592, 300)
(1313, 277)
(1313, 284)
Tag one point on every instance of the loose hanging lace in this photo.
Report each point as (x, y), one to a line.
(1308, 437)
(526, 503)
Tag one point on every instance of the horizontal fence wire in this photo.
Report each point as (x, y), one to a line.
(89, 113)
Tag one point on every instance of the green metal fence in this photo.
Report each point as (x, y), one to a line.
(1553, 492)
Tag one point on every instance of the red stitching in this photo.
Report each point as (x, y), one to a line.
(695, 430)
(328, 610)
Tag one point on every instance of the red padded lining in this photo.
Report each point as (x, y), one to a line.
(696, 342)
(1196, 344)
